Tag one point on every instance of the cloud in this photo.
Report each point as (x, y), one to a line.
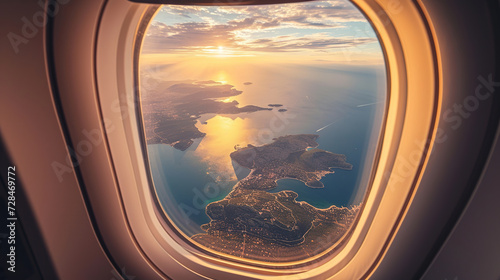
(308, 43)
(255, 28)
(162, 37)
(334, 11)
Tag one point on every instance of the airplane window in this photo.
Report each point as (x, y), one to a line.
(262, 124)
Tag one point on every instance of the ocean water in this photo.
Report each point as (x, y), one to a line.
(348, 137)
(343, 105)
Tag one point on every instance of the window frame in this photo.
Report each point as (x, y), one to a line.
(170, 226)
(412, 85)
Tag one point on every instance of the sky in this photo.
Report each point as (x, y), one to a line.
(318, 31)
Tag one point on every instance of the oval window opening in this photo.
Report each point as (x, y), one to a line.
(262, 124)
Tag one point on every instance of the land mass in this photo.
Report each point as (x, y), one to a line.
(170, 116)
(291, 156)
(253, 223)
(273, 226)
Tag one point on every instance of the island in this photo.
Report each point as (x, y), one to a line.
(250, 222)
(247, 83)
(170, 116)
(282, 110)
(275, 105)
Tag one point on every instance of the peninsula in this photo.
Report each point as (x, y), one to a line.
(273, 226)
(291, 156)
(170, 116)
(253, 223)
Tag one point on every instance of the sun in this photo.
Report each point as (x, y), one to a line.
(218, 51)
(221, 50)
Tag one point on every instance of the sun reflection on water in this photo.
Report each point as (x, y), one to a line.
(223, 136)
(221, 77)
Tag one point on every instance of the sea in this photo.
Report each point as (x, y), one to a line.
(343, 104)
